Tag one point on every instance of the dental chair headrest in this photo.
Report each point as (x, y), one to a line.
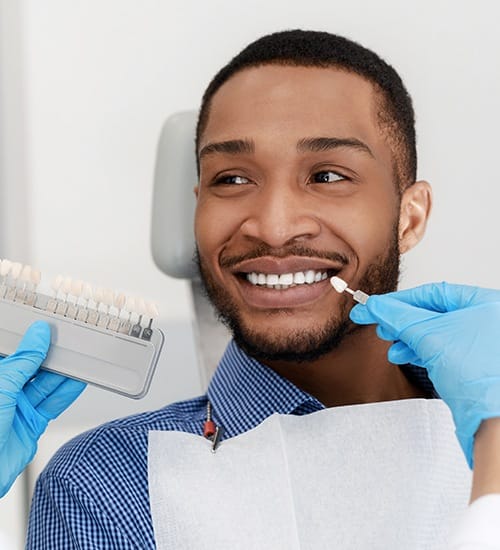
(172, 231)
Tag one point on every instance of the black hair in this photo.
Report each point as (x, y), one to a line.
(321, 49)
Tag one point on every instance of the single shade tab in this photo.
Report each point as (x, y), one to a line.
(341, 286)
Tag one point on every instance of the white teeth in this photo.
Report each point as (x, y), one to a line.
(286, 280)
(299, 278)
(309, 276)
(273, 279)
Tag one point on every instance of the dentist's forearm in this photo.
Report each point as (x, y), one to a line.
(486, 476)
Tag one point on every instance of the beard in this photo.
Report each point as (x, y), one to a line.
(300, 345)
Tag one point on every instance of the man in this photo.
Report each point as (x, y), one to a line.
(307, 165)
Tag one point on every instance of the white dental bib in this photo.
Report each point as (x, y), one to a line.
(385, 476)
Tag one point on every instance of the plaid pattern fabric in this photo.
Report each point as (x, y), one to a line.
(94, 492)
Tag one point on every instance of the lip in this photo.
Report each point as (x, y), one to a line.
(296, 296)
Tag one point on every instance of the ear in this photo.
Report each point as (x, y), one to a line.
(196, 190)
(414, 212)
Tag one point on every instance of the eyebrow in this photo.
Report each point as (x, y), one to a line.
(231, 147)
(321, 144)
(314, 145)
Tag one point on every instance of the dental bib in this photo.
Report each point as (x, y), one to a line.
(388, 476)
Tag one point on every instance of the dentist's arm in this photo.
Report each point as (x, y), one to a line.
(29, 399)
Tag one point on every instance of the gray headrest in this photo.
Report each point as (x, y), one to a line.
(172, 234)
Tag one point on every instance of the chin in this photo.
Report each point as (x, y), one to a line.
(297, 345)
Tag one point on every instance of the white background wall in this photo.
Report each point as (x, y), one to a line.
(86, 85)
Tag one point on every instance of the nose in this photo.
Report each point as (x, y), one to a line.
(281, 214)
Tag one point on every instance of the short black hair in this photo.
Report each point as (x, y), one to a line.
(325, 50)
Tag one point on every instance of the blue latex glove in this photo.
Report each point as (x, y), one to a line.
(453, 331)
(28, 401)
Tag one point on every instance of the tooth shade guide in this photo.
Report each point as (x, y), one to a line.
(110, 359)
(73, 299)
(341, 286)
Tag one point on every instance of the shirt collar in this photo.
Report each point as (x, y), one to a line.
(244, 392)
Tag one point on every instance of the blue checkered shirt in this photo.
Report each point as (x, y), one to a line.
(94, 492)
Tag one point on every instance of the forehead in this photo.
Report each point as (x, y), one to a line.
(285, 102)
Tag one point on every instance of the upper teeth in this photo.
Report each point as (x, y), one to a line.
(286, 280)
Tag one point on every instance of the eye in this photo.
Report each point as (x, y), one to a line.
(231, 180)
(327, 176)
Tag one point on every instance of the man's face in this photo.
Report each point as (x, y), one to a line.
(296, 182)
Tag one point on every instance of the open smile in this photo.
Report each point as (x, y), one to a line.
(284, 283)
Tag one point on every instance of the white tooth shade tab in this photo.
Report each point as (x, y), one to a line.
(76, 288)
(16, 269)
(130, 304)
(98, 295)
(141, 307)
(66, 285)
(5, 267)
(152, 310)
(57, 282)
(120, 300)
(26, 273)
(87, 291)
(36, 277)
(108, 297)
(338, 284)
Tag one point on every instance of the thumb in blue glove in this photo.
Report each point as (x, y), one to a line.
(28, 400)
(453, 332)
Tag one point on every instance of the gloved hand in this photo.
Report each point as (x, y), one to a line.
(27, 406)
(453, 331)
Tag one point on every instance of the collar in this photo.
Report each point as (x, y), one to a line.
(244, 392)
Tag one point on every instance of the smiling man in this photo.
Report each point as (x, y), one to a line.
(314, 177)
(307, 169)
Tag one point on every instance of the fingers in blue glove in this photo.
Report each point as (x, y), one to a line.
(50, 393)
(400, 354)
(18, 368)
(393, 315)
(385, 334)
(443, 297)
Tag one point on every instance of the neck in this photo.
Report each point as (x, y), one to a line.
(357, 371)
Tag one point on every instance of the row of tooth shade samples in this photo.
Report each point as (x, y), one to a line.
(78, 300)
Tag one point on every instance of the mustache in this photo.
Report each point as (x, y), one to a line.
(264, 250)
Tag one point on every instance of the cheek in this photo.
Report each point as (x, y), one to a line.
(214, 225)
(367, 226)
